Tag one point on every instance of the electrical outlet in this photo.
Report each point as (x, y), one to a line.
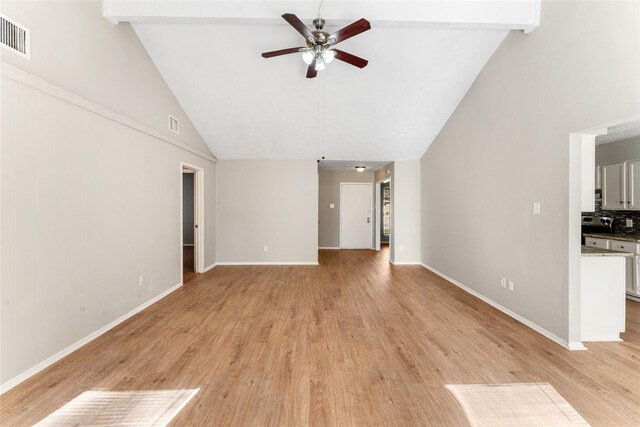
(266, 249)
(331, 206)
(503, 282)
(629, 223)
(535, 208)
(511, 285)
(401, 248)
(141, 281)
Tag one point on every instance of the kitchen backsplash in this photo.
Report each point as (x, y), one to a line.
(620, 218)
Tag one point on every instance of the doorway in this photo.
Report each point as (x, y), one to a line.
(600, 193)
(356, 208)
(383, 214)
(188, 224)
(191, 221)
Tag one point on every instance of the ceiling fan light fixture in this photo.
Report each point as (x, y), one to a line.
(360, 168)
(320, 64)
(328, 56)
(308, 56)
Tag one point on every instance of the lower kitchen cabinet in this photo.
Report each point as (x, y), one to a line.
(597, 243)
(632, 263)
(602, 304)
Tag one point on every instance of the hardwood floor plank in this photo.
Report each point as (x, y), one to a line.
(353, 341)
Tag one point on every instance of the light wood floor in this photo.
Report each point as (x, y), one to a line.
(352, 342)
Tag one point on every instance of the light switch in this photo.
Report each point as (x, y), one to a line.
(331, 206)
(536, 208)
(266, 248)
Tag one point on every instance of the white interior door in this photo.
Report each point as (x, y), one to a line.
(355, 216)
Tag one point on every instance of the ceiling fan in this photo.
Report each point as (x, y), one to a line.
(320, 44)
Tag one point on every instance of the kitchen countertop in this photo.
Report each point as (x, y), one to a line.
(615, 236)
(591, 251)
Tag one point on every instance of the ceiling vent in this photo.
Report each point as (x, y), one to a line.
(14, 37)
(174, 124)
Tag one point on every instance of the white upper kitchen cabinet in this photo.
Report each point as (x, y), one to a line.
(633, 185)
(614, 186)
(598, 180)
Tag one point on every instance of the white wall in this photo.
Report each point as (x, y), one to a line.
(618, 151)
(405, 204)
(507, 145)
(73, 46)
(329, 193)
(90, 197)
(267, 203)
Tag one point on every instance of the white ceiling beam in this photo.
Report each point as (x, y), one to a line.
(503, 15)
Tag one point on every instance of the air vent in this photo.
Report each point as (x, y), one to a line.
(14, 36)
(174, 125)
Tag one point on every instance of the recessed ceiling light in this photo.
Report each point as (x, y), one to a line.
(360, 168)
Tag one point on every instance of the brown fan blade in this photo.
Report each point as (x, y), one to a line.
(360, 26)
(296, 23)
(311, 71)
(282, 52)
(350, 59)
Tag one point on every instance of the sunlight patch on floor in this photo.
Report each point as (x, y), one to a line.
(121, 408)
(527, 404)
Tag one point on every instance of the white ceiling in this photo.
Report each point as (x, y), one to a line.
(248, 107)
(630, 129)
(349, 165)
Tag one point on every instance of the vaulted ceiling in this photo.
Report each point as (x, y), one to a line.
(423, 57)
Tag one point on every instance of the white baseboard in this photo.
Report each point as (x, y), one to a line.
(329, 247)
(405, 262)
(603, 339)
(524, 321)
(576, 346)
(210, 267)
(8, 385)
(267, 263)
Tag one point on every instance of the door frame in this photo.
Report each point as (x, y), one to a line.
(378, 221)
(380, 212)
(198, 212)
(370, 184)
